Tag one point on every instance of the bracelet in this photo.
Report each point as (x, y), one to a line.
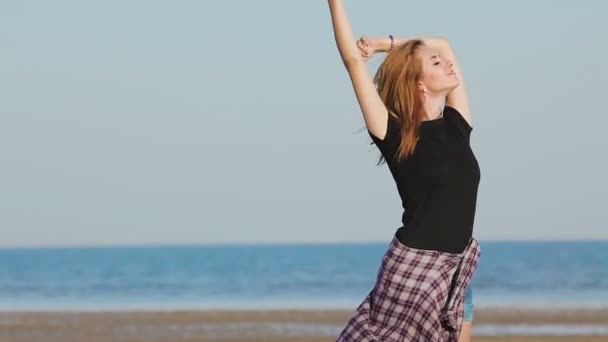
(392, 42)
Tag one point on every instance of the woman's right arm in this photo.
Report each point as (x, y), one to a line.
(374, 111)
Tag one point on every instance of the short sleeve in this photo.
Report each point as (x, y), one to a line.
(392, 130)
(457, 120)
(388, 146)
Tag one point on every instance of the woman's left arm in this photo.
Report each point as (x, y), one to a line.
(458, 97)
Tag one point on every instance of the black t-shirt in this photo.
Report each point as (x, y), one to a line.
(437, 183)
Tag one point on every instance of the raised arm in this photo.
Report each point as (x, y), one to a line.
(457, 98)
(374, 111)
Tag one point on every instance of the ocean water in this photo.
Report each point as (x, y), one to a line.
(510, 274)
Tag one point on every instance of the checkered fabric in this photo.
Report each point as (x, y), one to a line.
(418, 296)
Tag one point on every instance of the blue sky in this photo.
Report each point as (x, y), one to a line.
(136, 122)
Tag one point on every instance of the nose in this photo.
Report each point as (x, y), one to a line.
(449, 66)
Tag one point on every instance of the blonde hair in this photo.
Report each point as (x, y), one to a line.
(397, 83)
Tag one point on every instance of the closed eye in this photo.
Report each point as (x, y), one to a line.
(435, 57)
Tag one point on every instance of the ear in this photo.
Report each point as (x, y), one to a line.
(421, 87)
(422, 92)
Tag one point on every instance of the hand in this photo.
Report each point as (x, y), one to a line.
(367, 47)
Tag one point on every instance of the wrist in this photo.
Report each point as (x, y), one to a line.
(382, 44)
(386, 44)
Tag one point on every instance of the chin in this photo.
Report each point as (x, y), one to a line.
(455, 84)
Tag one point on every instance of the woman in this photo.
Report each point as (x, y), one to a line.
(368, 47)
(416, 112)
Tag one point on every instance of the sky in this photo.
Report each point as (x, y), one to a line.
(214, 122)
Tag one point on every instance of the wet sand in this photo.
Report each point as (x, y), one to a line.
(243, 326)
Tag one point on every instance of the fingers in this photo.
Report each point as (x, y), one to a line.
(363, 46)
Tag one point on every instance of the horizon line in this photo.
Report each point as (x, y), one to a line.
(268, 243)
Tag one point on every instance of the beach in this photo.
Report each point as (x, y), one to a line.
(276, 325)
(288, 293)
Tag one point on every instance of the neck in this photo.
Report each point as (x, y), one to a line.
(433, 107)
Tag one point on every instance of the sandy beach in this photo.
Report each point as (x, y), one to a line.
(267, 325)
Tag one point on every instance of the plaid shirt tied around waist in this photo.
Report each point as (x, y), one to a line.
(418, 296)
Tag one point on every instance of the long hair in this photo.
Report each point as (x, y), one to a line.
(397, 84)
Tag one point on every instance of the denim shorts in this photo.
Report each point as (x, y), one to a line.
(468, 304)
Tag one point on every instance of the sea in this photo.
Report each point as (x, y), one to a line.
(534, 274)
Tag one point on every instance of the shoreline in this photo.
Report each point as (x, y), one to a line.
(295, 325)
(490, 315)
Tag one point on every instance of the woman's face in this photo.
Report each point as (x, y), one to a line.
(439, 76)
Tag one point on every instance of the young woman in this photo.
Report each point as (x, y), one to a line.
(416, 112)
